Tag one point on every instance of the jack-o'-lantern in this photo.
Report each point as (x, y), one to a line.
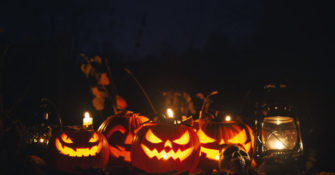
(214, 136)
(119, 130)
(74, 149)
(165, 147)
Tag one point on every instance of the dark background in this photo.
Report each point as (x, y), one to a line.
(233, 46)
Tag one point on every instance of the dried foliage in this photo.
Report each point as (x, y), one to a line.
(98, 72)
(180, 101)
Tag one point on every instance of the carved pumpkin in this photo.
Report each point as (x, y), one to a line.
(214, 136)
(73, 149)
(119, 130)
(165, 147)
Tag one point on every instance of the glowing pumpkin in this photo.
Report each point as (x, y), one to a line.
(214, 136)
(120, 130)
(164, 147)
(73, 149)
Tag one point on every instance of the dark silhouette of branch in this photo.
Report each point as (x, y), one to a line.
(114, 92)
(142, 89)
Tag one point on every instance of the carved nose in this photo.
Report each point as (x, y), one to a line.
(168, 144)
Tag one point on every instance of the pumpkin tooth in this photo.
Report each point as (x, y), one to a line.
(181, 155)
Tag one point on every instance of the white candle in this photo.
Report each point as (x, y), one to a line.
(170, 113)
(87, 120)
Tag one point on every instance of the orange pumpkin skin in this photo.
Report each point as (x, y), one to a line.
(215, 136)
(119, 131)
(160, 154)
(72, 150)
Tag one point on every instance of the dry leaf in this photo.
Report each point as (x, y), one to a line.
(103, 79)
(98, 103)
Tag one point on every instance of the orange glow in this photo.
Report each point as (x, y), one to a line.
(118, 128)
(94, 138)
(79, 152)
(222, 142)
(247, 147)
(120, 151)
(66, 138)
(129, 139)
(239, 138)
(212, 154)
(168, 144)
(87, 120)
(151, 137)
(170, 113)
(181, 155)
(184, 139)
(204, 138)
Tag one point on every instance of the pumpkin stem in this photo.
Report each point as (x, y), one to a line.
(205, 104)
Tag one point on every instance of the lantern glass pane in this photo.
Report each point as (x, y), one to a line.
(279, 133)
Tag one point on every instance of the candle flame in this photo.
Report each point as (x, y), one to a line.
(228, 118)
(87, 115)
(87, 120)
(278, 145)
(217, 157)
(170, 113)
(278, 122)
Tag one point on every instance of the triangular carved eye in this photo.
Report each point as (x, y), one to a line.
(184, 139)
(203, 138)
(151, 137)
(94, 138)
(66, 138)
(239, 138)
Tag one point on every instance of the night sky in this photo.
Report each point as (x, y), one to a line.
(233, 46)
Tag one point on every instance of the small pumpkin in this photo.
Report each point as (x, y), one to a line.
(73, 149)
(165, 147)
(119, 130)
(214, 136)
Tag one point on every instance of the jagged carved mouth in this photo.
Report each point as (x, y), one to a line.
(120, 151)
(78, 152)
(212, 154)
(181, 155)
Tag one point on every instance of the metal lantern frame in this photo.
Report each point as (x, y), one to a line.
(277, 107)
(262, 152)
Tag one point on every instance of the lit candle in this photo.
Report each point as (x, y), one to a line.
(87, 120)
(217, 157)
(278, 145)
(228, 118)
(170, 113)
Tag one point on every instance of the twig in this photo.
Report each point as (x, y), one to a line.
(142, 89)
(113, 87)
(205, 103)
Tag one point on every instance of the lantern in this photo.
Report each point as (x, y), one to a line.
(119, 130)
(278, 128)
(165, 147)
(73, 149)
(279, 137)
